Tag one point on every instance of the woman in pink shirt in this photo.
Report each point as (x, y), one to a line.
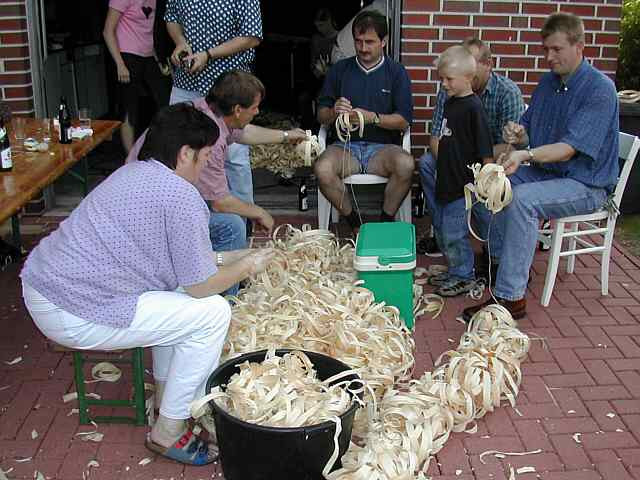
(128, 33)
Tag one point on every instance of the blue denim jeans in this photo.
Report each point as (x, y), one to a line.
(362, 152)
(227, 232)
(452, 235)
(179, 95)
(427, 170)
(237, 166)
(537, 194)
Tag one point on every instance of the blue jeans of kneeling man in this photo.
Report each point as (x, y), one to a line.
(537, 194)
(227, 232)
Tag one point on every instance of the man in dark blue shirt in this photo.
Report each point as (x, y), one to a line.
(378, 88)
(569, 134)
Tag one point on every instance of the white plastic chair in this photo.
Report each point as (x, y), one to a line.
(569, 228)
(326, 212)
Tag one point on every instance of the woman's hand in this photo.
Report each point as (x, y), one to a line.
(123, 73)
(178, 53)
(196, 62)
(259, 260)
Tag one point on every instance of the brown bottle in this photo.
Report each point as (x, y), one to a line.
(6, 163)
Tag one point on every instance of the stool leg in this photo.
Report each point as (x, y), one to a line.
(138, 385)
(78, 368)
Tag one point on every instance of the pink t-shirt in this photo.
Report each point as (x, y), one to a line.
(135, 28)
(212, 183)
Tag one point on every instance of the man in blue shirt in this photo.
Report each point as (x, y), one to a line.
(502, 101)
(378, 88)
(569, 134)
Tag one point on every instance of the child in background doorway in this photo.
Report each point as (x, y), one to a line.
(465, 139)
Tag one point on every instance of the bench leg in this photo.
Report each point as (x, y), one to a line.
(83, 407)
(137, 363)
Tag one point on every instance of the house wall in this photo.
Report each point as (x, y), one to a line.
(512, 30)
(16, 87)
(428, 27)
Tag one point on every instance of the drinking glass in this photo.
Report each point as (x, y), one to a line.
(19, 128)
(19, 125)
(84, 117)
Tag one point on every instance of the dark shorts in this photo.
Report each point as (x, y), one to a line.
(146, 81)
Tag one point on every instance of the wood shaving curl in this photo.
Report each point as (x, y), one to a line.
(105, 372)
(280, 392)
(507, 454)
(344, 127)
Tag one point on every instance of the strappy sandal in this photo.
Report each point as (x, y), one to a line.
(455, 287)
(189, 449)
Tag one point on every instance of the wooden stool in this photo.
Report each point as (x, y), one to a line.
(138, 402)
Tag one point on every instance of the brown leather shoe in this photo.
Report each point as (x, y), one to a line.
(517, 308)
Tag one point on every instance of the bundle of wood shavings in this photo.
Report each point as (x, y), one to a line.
(281, 392)
(415, 420)
(308, 299)
(282, 158)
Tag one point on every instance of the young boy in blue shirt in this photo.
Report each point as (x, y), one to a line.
(465, 139)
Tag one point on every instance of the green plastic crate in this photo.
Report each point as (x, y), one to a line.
(385, 260)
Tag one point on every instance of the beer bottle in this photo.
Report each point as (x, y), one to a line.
(303, 200)
(542, 246)
(6, 163)
(64, 118)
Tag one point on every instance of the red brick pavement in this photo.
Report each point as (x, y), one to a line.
(582, 376)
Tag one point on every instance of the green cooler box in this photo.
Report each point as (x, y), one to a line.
(385, 260)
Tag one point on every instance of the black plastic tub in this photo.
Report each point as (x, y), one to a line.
(254, 452)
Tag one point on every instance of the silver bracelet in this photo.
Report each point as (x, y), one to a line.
(219, 259)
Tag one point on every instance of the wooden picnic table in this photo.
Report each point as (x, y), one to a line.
(32, 171)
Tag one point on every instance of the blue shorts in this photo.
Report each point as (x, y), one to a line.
(362, 152)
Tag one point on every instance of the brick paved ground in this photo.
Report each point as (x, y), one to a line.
(584, 377)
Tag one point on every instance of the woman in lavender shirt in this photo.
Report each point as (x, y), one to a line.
(133, 267)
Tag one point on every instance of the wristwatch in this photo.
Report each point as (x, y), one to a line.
(376, 119)
(219, 259)
(532, 158)
(285, 136)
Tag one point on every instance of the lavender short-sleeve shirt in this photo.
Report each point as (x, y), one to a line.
(143, 229)
(212, 183)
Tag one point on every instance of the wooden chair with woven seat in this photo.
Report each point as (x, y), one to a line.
(584, 230)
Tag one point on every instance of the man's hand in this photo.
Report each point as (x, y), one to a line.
(123, 74)
(513, 133)
(368, 116)
(296, 135)
(342, 105)
(175, 56)
(511, 161)
(264, 221)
